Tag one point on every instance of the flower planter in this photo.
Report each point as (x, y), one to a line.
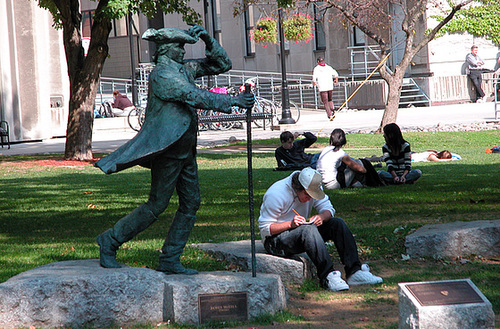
(298, 28)
(265, 31)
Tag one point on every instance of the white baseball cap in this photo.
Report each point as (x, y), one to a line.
(311, 181)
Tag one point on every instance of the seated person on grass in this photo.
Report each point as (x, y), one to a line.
(287, 228)
(291, 156)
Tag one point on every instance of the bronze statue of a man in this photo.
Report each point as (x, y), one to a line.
(167, 143)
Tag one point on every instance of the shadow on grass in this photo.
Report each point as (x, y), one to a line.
(45, 212)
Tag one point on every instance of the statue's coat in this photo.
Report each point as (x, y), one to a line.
(173, 100)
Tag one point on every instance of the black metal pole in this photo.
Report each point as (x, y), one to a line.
(286, 116)
(250, 183)
(132, 59)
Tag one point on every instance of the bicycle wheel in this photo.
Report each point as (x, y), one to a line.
(221, 125)
(135, 118)
(204, 126)
(238, 110)
(263, 106)
(294, 112)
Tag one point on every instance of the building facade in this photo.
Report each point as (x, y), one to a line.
(35, 87)
(33, 76)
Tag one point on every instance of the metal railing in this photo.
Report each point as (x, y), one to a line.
(301, 90)
(412, 94)
(124, 86)
(364, 59)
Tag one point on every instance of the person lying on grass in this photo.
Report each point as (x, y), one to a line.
(433, 155)
(287, 229)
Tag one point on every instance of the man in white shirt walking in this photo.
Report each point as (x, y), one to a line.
(323, 78)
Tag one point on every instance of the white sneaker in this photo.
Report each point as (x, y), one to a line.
(364, 276)
(335, 282)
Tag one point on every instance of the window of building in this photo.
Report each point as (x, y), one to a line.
(249, 25)
(319, 30)
(216, 19)
(87, 23)
(119, 25)
(358, 36)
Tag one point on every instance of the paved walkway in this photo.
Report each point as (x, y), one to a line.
(107, 140)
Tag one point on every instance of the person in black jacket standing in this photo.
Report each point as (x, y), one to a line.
(291, 154)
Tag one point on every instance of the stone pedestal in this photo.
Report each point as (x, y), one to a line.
(457, 239)
(82, 294)
(266, 293)
(292, 270)
(450, 304)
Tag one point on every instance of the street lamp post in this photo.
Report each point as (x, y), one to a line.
(286, 117)
(132, 60)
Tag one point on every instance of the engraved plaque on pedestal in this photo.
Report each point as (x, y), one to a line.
(444, 293)
(448, 304)
(223, 307)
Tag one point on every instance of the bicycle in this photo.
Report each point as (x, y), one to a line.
(294, 112)
(136, 118)
(223, 125)
(263, 105)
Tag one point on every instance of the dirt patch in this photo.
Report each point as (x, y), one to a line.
(56, 162)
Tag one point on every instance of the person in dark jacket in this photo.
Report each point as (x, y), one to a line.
(167, 143)
(291, 154)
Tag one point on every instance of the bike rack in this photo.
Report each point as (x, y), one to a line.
(234, 117)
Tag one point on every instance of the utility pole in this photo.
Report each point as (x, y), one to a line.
(286, 116)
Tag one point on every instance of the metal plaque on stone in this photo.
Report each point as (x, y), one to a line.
(444, 293)
(223, 307)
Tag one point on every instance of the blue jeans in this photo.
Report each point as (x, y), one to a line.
(314, 160)
(311, 239)
(411, 177)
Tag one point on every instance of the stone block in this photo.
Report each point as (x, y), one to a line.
(292, 270)
(76, 294)
(464, 311)
(266, 293)
(457, 239)
(81, 293)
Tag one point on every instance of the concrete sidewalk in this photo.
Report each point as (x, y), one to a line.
(109, 134)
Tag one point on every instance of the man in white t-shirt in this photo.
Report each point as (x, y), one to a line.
(323, 78)
(287, 228)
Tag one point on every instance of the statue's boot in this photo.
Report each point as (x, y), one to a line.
(173, 247)
(107, 249)
(124, 230)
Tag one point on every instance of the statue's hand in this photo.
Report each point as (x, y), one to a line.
(244, 100)
(198, 31)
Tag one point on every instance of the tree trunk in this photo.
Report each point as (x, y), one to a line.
(395, 82)
(391, 108)
(84, 74)
(80, 121)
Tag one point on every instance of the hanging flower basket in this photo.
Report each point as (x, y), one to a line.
(265, 31)
(298, 28)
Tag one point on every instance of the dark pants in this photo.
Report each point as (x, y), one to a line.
(327, 100)
(167, 175)
(476, 79)
(311, 239)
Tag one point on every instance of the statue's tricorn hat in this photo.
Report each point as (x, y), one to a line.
(169, 35)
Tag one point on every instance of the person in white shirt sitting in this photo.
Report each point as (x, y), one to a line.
(287, 228)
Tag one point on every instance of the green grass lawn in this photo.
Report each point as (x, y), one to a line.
(51, 214)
